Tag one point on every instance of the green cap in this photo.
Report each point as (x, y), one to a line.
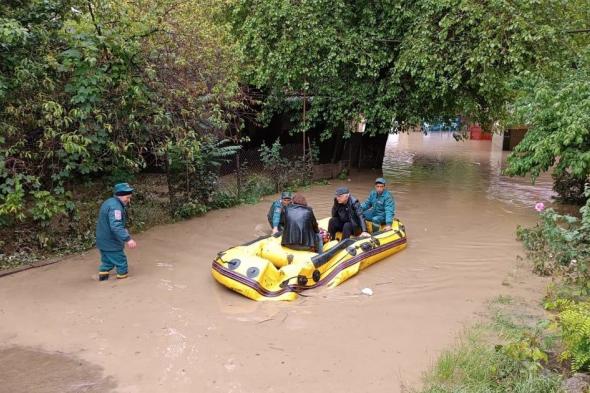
(286, 195)
(121, 189)
(380, 180)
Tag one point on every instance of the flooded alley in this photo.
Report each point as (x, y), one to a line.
(171, 328)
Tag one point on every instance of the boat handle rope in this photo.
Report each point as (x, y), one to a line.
(374, 242)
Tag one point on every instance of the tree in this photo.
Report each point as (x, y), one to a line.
(394, 62)
(94, 87)
(553, 100)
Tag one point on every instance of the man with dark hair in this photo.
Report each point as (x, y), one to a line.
(275, 213)
(379, 208)
(111, 234)
(301, 230)
(347, 216)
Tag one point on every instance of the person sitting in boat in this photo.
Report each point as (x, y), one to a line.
(275, 213)
(347, 216)
(301, 230)
(379, 208)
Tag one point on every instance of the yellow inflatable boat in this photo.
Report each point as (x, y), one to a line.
(264, 270)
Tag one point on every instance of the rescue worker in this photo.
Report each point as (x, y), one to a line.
(347, 216)
(275, 213)
(379, 208)
(111, 234)
(301, 231)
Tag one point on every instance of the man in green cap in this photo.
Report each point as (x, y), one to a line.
(379, 208)
(111, 234)
(275, 213)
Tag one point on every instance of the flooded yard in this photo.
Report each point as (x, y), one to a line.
(171, 328)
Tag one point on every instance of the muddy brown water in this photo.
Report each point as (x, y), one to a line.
(171, 328)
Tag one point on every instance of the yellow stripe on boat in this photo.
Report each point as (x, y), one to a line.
(264, 270)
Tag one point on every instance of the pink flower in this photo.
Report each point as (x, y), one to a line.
(539, 206)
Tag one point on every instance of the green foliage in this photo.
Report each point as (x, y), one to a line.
(224, 199)
(271, 156)
(99, 88)
(560, 244)
(277, 165)
(193, 164)
(574, 323)
(253, 188)
(46, 206)
(526, 350)
(256, 187)
(395, 63)
(343, 175)
(556, 109)
(476, 366)
(553, 101)
(288, 173)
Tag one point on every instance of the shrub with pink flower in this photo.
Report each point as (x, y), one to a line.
(539, 206)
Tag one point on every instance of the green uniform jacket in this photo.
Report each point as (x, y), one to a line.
(111, 234)
(383, 205)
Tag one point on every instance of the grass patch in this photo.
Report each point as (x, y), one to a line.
(509, 352)
(477, 366)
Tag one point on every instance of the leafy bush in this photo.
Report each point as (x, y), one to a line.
(192, 172)
(288, 173)
(256, 187)
(273, 162)
(87, 92)
(224, 199)
(560, 244)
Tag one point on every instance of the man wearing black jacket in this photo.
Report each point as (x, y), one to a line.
(347, 216)
(301, 231)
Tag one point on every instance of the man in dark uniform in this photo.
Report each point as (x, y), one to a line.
(347, 216)
(111, 234)
(301, 230)
(275, 213)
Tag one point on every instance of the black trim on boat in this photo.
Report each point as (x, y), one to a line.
(321, 259)
(255, 240)
(297, 288)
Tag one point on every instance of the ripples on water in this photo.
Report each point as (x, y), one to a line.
(470, 166)
(461, 214)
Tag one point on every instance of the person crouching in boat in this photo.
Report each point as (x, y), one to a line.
(347, 216)
(275, 213)
(379, 208)
(301, 231)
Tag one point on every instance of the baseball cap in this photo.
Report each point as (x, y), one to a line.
(342, 191)
(122, 189)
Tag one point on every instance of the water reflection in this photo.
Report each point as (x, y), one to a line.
(471, 166)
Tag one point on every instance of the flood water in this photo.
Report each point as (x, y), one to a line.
(171, 328)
